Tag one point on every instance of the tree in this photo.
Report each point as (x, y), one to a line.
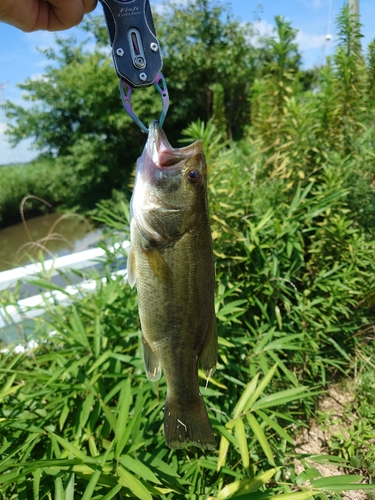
(77, 114)
(77, 117)
(203, 45)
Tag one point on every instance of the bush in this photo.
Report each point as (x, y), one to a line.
(42, 178)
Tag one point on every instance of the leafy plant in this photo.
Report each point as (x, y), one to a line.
(213, 140)
(101, 437)
(295, 287)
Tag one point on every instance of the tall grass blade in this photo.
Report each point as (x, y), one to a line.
(134, 484)
(113, 492)
(36, 483)
(122, 418)
(69, 489)
(303, 495)
(246, 486)
(283, 397)
(138, 468)
(223, 450)
(242, 442)
(259, 434)
(59, 490)
(89, 491)
(275, 426)
(246, 396)
(74, 450)
(260, 388)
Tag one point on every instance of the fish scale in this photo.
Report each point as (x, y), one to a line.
(171, 263)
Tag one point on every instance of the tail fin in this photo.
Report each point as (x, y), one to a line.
(188, 424)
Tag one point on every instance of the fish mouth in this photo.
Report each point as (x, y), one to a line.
(164, 155)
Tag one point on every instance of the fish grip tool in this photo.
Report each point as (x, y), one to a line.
(135, 51)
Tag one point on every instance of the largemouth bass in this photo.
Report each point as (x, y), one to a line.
(171, 262)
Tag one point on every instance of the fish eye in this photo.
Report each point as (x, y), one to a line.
(193, 176)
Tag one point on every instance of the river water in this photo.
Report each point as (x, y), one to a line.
(50, 234)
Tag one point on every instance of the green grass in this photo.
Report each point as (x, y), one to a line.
(79, 419)
(12, 165)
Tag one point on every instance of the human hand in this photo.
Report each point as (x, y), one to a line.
(50, 15)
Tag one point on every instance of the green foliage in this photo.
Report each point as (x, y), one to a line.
(371, 63)
(351, 79)
(301, 269)
(75, 95)
(299, 133)
(274, 108)
(79, 419)
(298, 262)
(81, 122)
(212, 138)
(218, 107)
(214, 49)
(295, 256)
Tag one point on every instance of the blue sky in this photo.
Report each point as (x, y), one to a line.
(314, 19)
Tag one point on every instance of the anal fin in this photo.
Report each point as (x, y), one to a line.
(151, 362)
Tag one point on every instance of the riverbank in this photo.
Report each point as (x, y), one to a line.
(48, 184)
(49, 234)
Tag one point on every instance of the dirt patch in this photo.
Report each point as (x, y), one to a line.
(314, 440)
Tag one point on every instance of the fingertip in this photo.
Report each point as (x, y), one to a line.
(65, 15)
(89, 5)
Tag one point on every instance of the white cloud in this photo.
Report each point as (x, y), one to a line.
(38, 77)
(307, 41)
(20, 154)
(314, 47)
(261, 29)
(160, 7)
(264, 28)
(316, 4)
(41, 40)
(42, 63)
(106, 51)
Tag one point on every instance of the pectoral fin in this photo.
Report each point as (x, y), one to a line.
(152, 365)
(208, 357)
(132, 268)
(157, 263)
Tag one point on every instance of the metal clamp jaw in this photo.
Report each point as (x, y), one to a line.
(135, 49)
